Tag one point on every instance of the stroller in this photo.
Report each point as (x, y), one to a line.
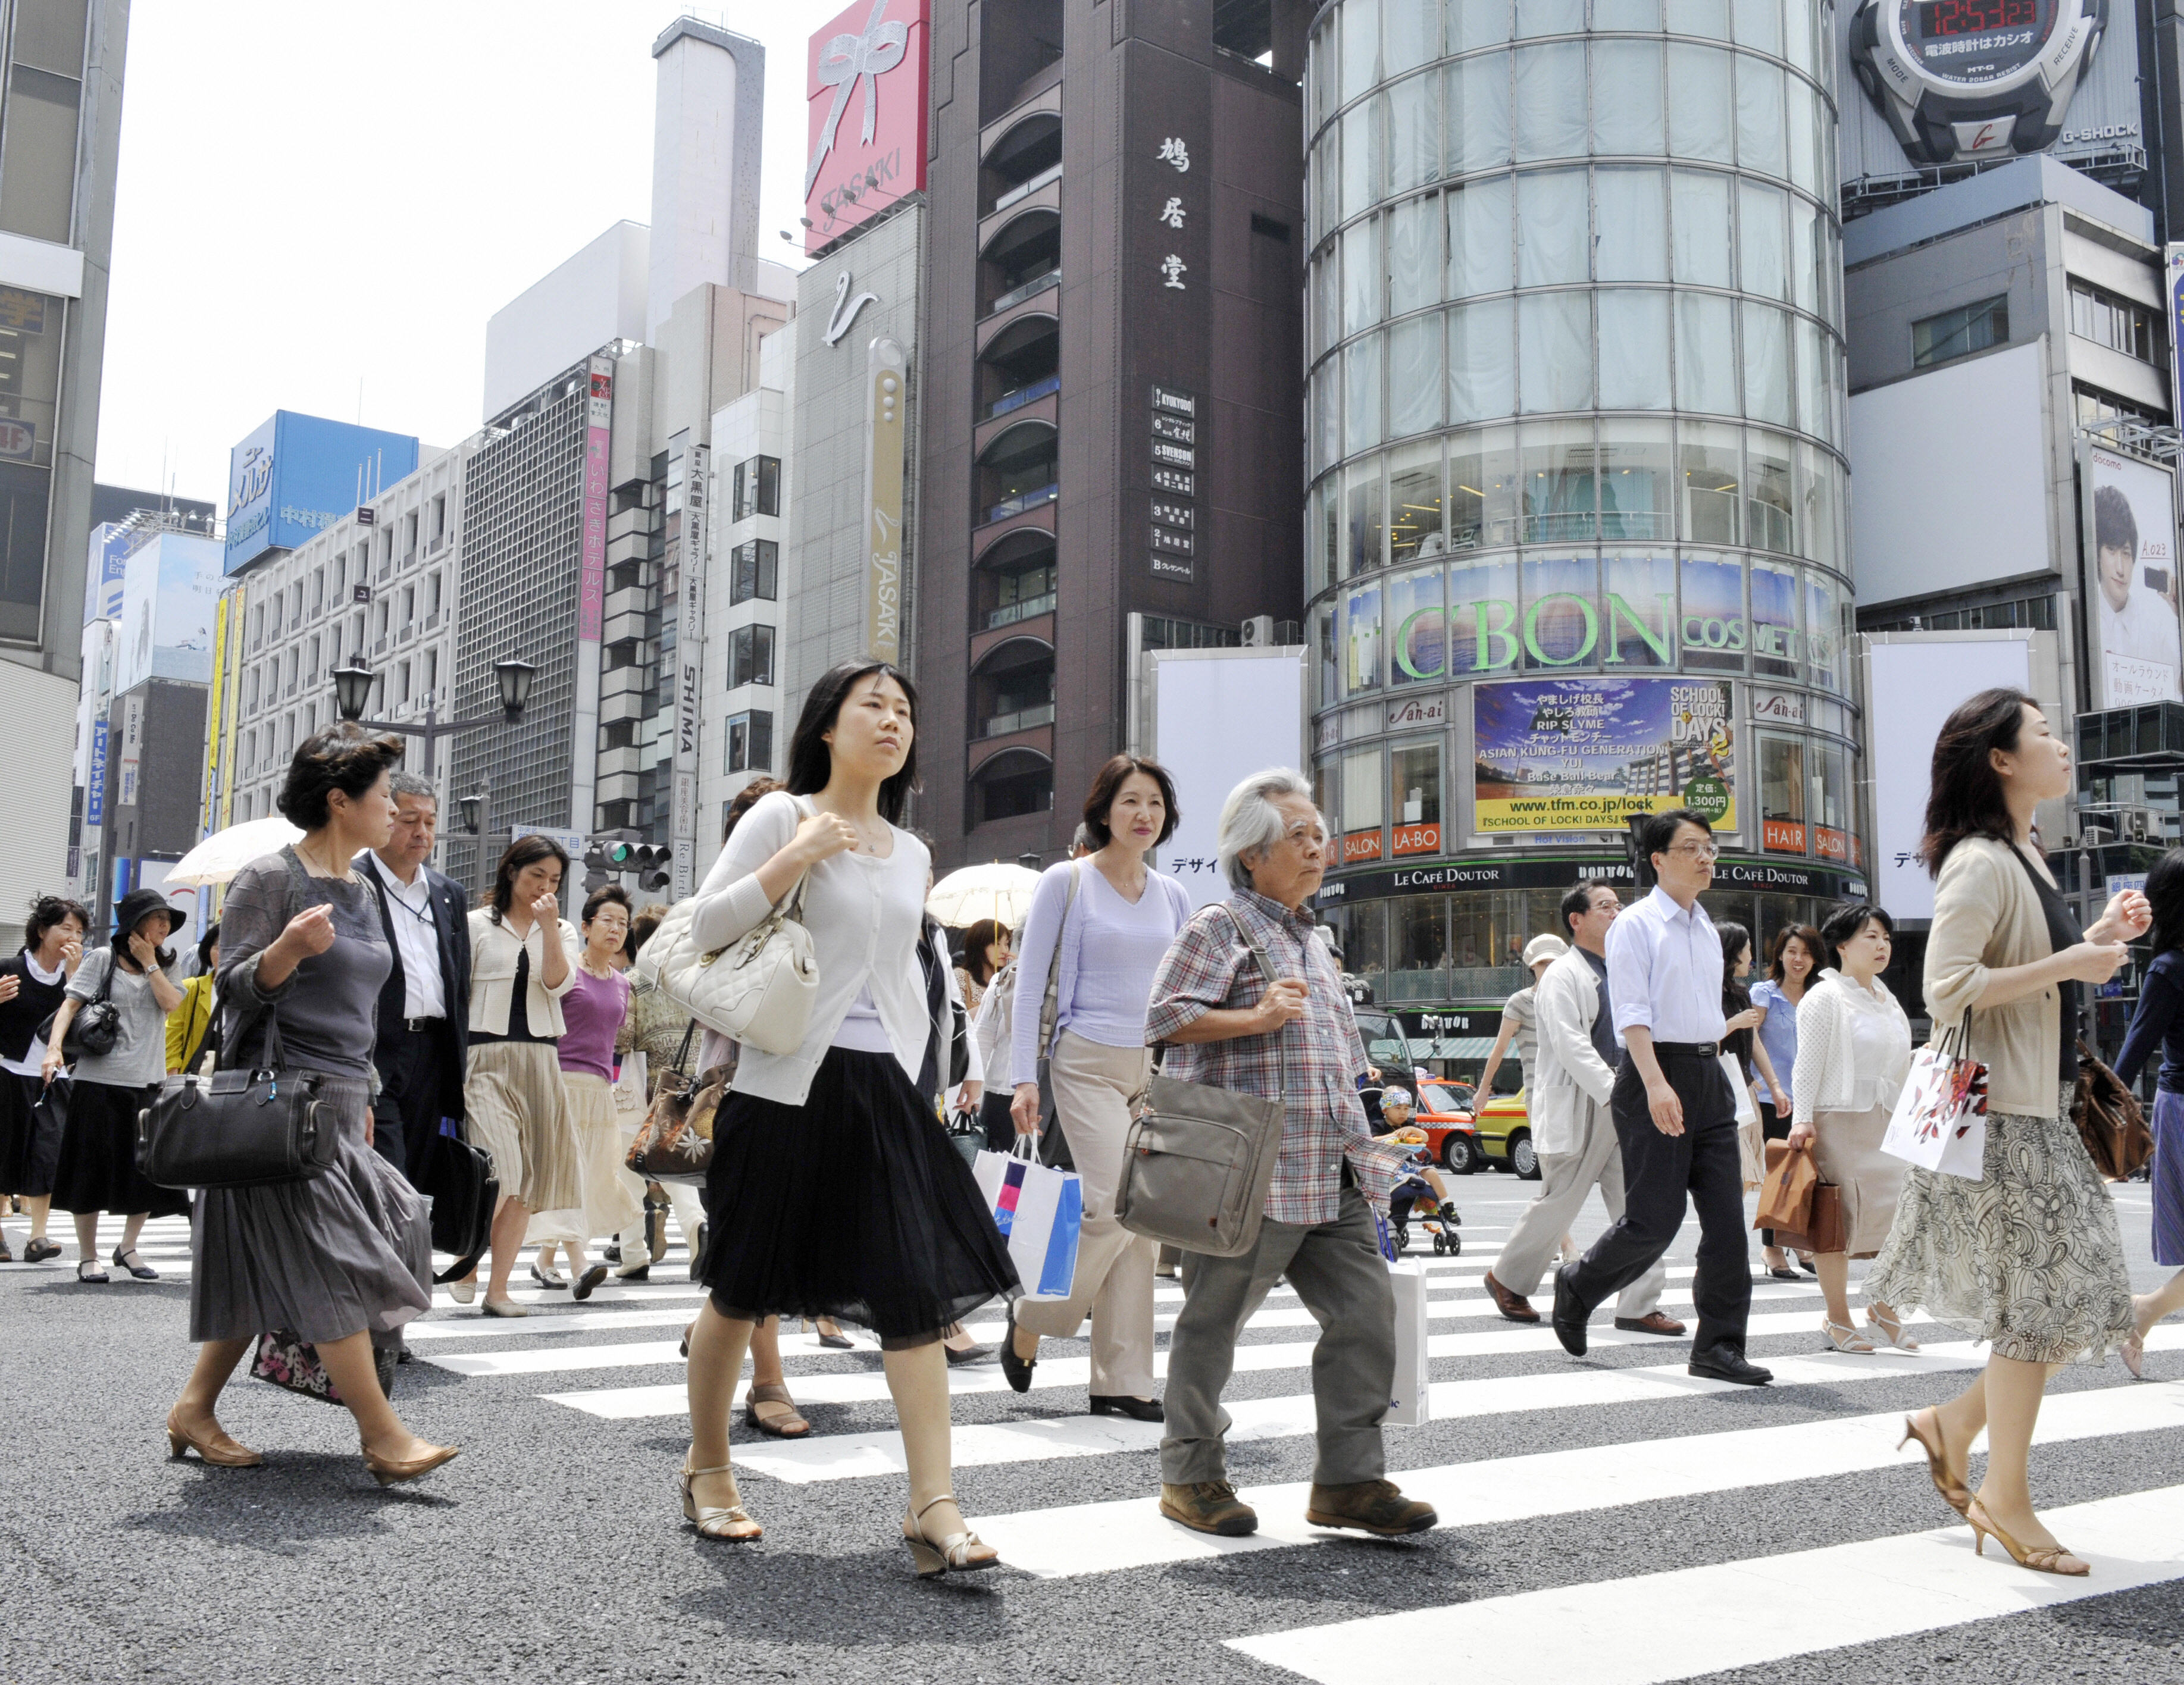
(1423, 1195)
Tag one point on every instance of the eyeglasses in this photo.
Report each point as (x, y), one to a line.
(1705, 851)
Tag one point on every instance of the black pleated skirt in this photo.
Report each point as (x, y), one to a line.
(97, 1168)
(855, 1205)
(30, 1145)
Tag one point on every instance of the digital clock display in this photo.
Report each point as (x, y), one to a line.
(1940, 20)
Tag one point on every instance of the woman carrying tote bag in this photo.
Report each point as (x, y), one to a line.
(345, 1258)
(834, 1191)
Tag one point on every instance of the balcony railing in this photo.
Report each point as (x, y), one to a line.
(1017, 294)
(1024, 190)
(1024, 500)
(1022, 395)
(1029, 608)
(1000, 725)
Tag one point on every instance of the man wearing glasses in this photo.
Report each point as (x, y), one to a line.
(1675, 1116)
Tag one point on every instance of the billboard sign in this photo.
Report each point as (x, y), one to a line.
(2130, 585)
(887, 379)
(170, 594)
(1584, 754)
(103, 571)
(297, 474)
(94, 789)
(866, 98)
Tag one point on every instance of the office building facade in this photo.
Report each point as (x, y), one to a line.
(1575, 543)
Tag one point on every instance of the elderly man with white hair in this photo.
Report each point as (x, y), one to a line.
(1295, 1039)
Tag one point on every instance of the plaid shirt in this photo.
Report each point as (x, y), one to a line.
(1312, 1064)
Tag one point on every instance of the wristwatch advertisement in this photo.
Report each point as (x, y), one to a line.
(1960, 79)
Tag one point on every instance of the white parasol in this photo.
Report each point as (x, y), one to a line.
(992, 891)
(225, 853)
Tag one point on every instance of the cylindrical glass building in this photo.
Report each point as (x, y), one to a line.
(1577, 510)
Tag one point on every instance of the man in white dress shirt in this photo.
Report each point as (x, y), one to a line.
(1674, 1114)
(1572, 1130)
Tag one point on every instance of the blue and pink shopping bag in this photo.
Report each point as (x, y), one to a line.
(1040, 1213)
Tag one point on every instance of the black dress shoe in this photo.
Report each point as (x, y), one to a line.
(1017, 1370)
(1569, 1319)
(1138, 1410)
(1726, 1363)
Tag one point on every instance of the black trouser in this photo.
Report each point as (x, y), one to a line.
(1774, 1127)
(413, 1071)
(1659, 1171)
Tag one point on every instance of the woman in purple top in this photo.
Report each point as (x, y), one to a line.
(1102, 926)
(593, 1012)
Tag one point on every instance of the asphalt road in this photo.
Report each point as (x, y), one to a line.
(1651, 1534)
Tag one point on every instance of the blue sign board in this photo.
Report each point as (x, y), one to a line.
(297, 475)
(94, 797)
(103, 571)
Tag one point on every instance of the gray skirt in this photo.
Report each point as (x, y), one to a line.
(347, 1252)
(2029, 1259)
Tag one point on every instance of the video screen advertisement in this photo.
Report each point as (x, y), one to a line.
(2133, 642)
(297, 474)
(1585, 753)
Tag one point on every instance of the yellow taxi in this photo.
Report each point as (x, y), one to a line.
(1504, 1135)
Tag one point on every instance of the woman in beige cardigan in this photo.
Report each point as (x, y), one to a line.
(2028, 1258)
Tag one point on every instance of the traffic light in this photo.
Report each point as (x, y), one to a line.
(654, 864)
(606, 860)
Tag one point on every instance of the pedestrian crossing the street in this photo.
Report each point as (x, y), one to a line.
(1515, 1440)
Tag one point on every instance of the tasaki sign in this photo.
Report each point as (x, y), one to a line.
(866, 95)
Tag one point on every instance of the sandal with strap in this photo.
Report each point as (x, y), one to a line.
(937, 1556)
(1954, 1493)
(712, 1522)
(2042, 1558)
(1891, 1329)
(1846, 1339)
(790, 1426)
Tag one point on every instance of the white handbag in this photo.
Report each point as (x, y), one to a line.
(757, 991)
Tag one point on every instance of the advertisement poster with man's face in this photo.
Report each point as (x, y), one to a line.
(2131, 591)
(1583, 754)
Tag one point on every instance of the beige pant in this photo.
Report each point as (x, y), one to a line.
(1094, 1089)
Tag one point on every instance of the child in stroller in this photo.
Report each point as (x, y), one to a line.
(1423, 1194)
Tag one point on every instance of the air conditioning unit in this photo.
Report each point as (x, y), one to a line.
(1259, 632)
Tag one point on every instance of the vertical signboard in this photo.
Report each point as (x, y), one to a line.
(215, 722)
(2173, 271)
(2132, 638)
(1174, 542)
(591, 591)
(865, 94)
(94, 789)
(132, 749)
(690, 666)
(886, 394)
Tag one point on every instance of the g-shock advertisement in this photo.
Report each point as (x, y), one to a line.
(1961, 79)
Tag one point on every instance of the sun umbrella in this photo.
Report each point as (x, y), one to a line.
(992, 891)
(225, 853)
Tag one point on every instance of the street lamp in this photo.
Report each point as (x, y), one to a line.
(513, 677)
(352, 688)
(473, 806)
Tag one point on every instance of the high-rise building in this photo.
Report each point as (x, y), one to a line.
(1108, 419)
(61, 124)
(1575, 531)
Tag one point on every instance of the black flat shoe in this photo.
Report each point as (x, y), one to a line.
(698, 1255)
(1018, 1370)
(970, 1354)
(40, 1249)
(590, 1279)
(642, 1273)
(1784, 1273)
(1726, 1363)
(142, 1271)
(1569, 1319)
(88, 1271)
(1138, 1410)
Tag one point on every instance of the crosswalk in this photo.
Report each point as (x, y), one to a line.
(1087, 1515)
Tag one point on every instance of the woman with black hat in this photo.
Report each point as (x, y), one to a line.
(97, 1168)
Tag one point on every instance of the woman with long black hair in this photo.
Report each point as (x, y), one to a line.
(2005, 963)
(97, 1171)
(834, 1191)
(32, 986)
(2159, 1023)
(1793, 966)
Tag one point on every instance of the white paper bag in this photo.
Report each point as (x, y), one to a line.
(1412, 1403)
(1940, 1120)
(1739, 1089)
(629, 1083)
(1040, 1213)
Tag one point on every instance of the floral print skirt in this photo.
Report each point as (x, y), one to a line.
(2029, 1260)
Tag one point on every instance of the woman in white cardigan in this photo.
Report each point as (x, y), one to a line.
(523, 959)
(834, 1190)
(1853, 1052)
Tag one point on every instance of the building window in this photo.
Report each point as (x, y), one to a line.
(757, 488)
(409, 604)
(37, 159)
(439, 517)
(402, 682)
(1013, 783)
(318, 589)
(1964, 330)
(2094, 406)
(314, 669)
(1023, 593)
(1421, 969)
(750, 742)
(1415, 769)
(753, 573)
(1782, 796)
(409, 535)
(431, 671)
(750, 656)
(2117, 323)
(431, 594)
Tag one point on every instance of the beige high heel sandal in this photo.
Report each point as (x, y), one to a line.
(935, 1557)
(1846, 1339)
(2046, 1559)
(712, 1521)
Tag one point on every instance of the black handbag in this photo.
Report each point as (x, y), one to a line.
(459, 1180)
(239, 1128)
(97, 1024)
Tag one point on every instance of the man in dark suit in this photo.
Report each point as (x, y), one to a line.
(424, 1006)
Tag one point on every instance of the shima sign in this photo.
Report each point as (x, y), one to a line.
(865, 94)
(1584, 754)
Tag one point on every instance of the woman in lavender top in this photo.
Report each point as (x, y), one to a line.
(1102, 926)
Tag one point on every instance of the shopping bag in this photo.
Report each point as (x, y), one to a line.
(1750, 1154)
(1040, 1213)
(629, 1087)
(1786, 1196)
(1410, 1404)
(1739, 1089)
(1825, 1227)
(1940, 1120)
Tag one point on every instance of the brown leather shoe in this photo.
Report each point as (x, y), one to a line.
(1515, 1306)
(1209, 1506)
(1375, 1506)
(1652, 1322)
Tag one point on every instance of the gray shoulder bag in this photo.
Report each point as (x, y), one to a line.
(1053, 1145)
(1198, 1160)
